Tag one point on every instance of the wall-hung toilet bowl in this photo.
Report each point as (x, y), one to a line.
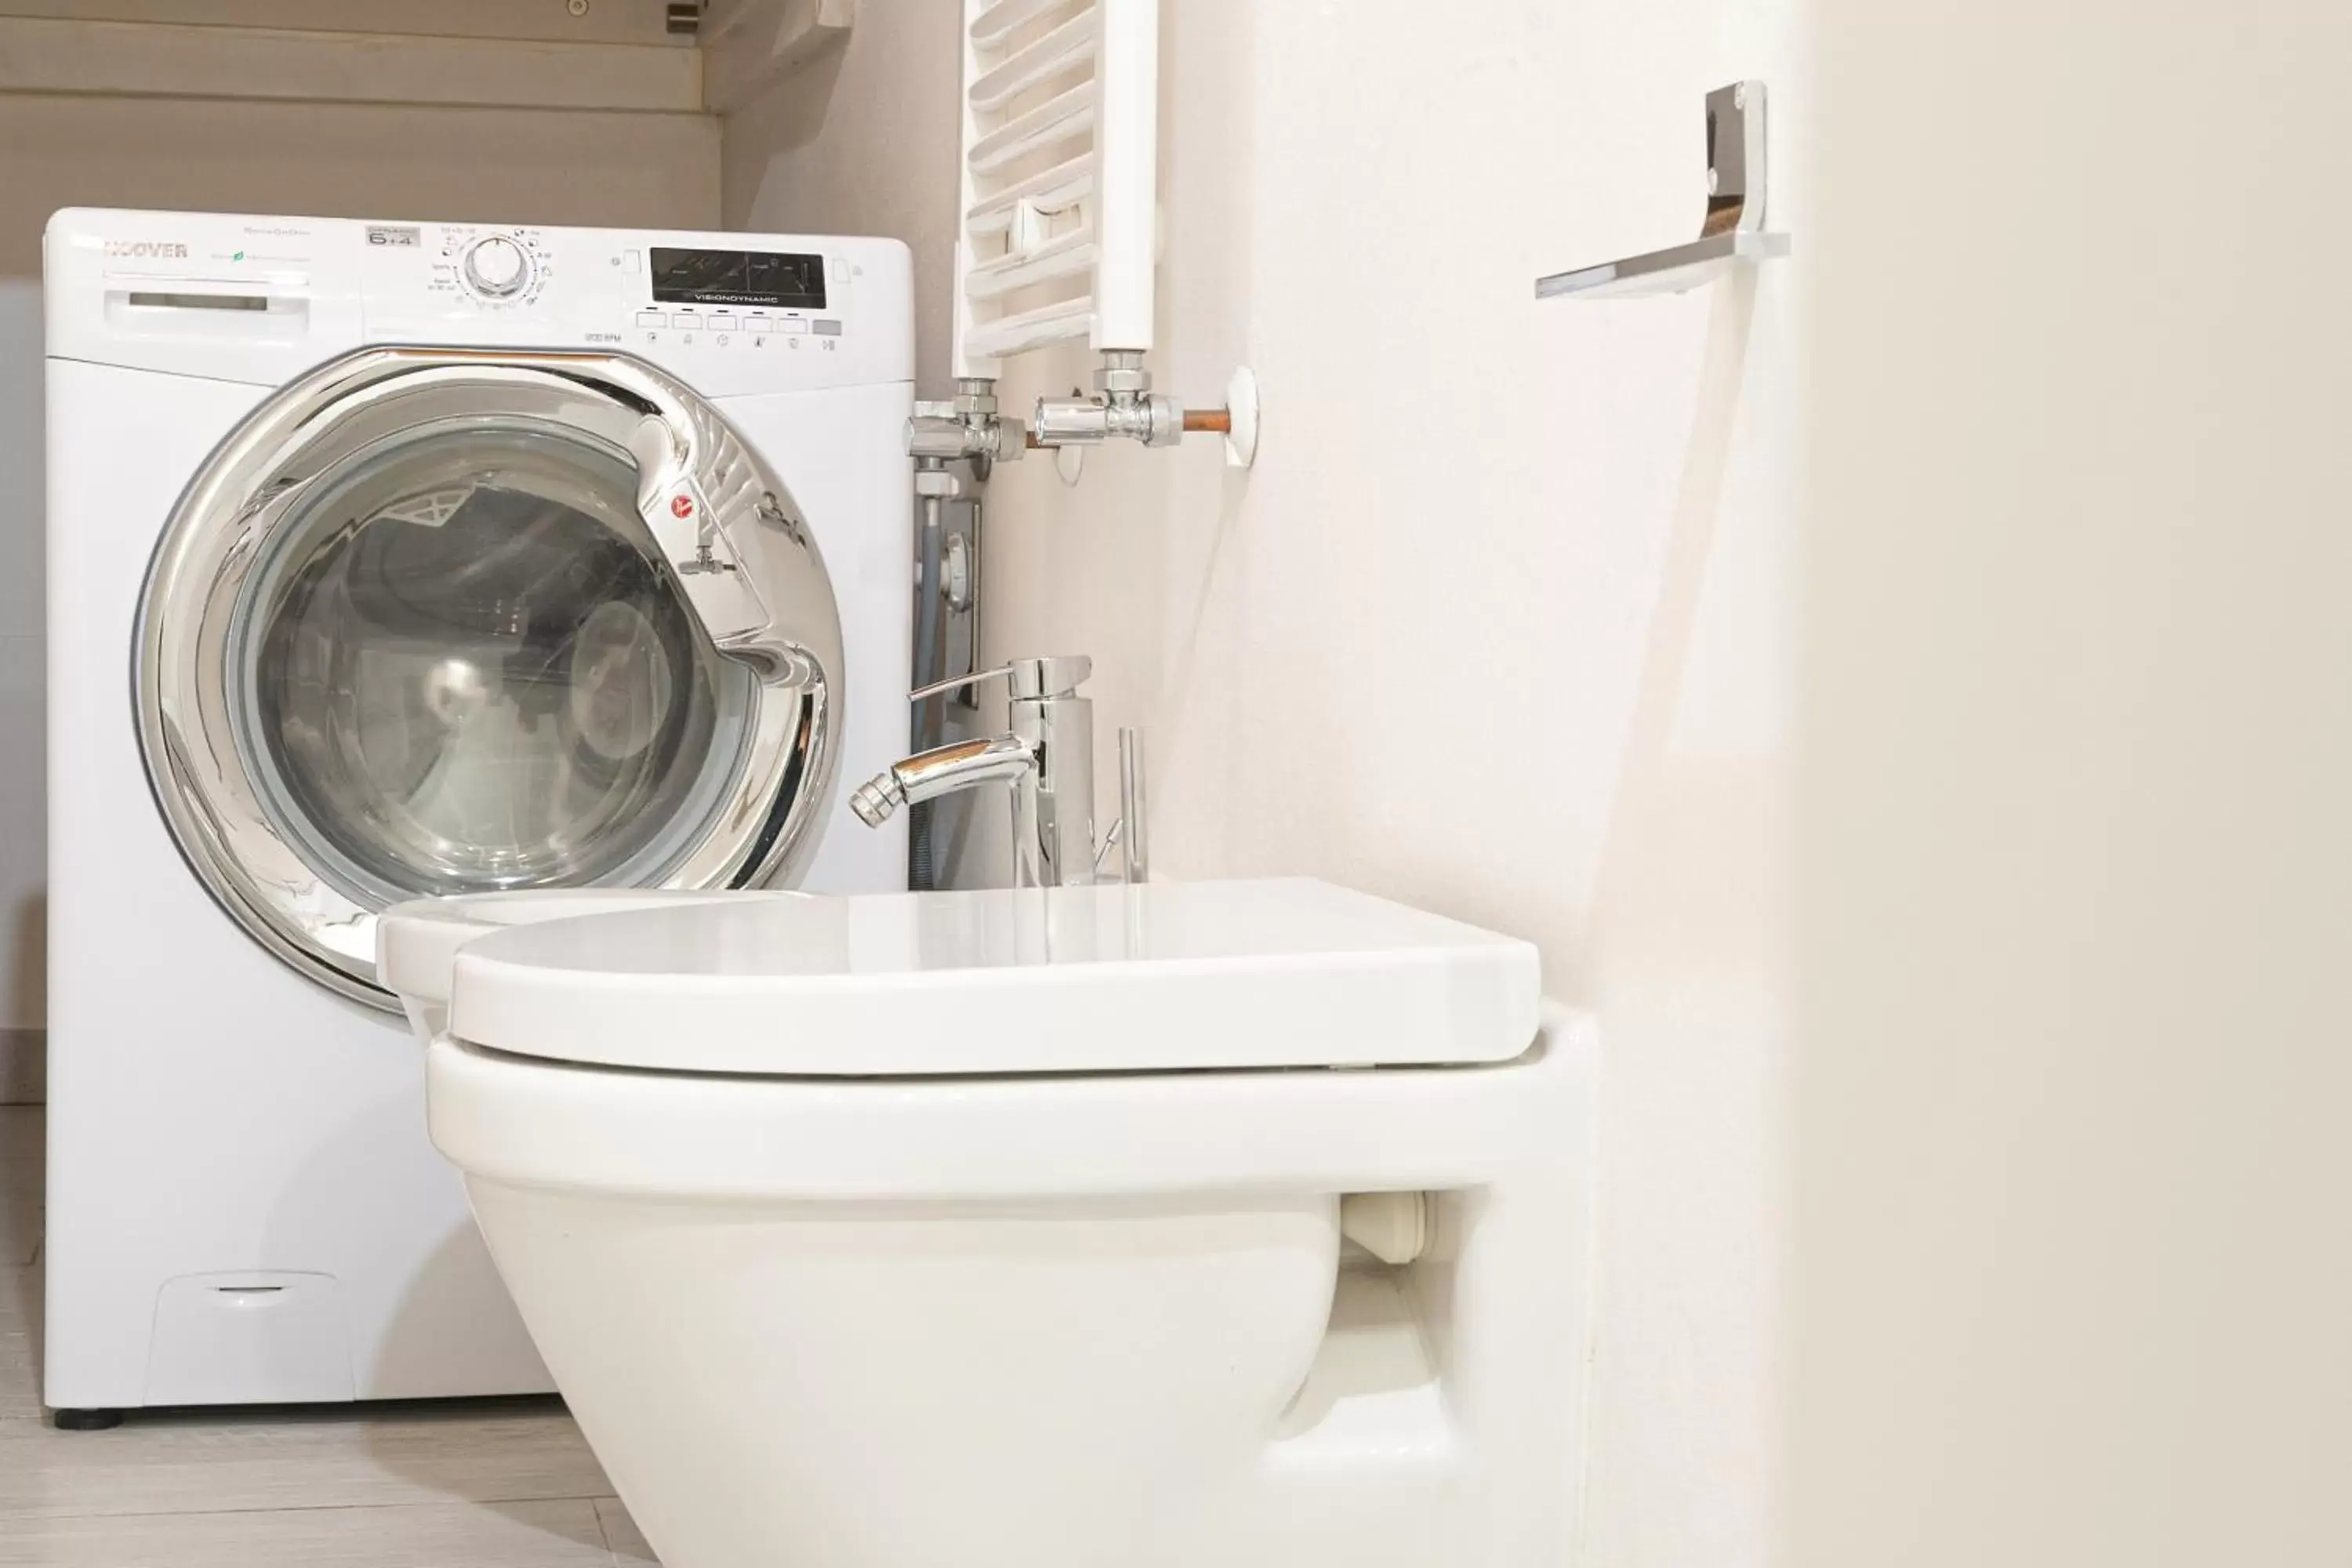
(1006, 1229)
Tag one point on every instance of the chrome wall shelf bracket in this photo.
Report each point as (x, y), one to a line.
(1733, 231)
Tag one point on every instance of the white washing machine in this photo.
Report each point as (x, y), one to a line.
(390, 559)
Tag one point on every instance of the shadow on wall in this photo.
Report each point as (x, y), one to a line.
(24, 957)
(24, 857)
(1690, 546)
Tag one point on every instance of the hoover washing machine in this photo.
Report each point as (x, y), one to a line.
(402, 559)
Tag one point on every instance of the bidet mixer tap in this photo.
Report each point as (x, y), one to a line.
(1048, 758)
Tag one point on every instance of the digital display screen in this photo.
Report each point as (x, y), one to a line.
(738, 277)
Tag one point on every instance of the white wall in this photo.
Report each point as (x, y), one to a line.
(59, 150)
(1498, 624)
(2074, 1279)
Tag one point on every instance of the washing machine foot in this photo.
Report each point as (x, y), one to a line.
(86, 1420)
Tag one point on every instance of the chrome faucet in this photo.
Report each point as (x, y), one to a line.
(1048, 758)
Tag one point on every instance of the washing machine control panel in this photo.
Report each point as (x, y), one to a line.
(262, 298)
(723, 311)
(722, 298)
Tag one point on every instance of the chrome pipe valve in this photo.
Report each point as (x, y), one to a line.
(1123, 404)
(967, 427)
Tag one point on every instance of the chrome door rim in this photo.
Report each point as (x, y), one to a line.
(301, 437)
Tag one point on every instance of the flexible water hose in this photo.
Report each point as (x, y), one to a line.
(929, 720)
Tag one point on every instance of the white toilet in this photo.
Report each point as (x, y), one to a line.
(1020, 1229)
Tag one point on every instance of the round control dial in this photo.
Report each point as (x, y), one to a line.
(496, 267)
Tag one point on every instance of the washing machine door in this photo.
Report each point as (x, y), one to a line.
(438, 621)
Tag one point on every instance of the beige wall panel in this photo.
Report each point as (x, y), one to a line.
(604, 22)
(37, 55)
(333, 160)
(2073, 1281)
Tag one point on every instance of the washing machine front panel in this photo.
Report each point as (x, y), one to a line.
(438, 621)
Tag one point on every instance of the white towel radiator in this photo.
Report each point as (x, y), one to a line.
(1060, 228)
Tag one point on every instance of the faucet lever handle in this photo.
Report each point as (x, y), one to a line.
(1134, 829)
(1056, 675)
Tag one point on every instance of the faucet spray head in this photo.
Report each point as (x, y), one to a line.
(877, 799)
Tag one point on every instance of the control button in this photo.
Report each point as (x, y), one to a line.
(688, 322)
(828, 329)
(790, 324)
(496, 267)
(629, 260)
(719, 320)
(652, 319)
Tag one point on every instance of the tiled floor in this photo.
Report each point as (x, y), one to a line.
(505, 1484)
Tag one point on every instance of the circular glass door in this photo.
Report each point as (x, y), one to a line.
(463, 673)
(411, 633)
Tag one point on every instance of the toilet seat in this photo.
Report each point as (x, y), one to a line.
(1010, 1138)
(1117, 979)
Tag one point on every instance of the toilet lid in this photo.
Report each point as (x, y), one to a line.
(416, 942)
(1166, 976)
